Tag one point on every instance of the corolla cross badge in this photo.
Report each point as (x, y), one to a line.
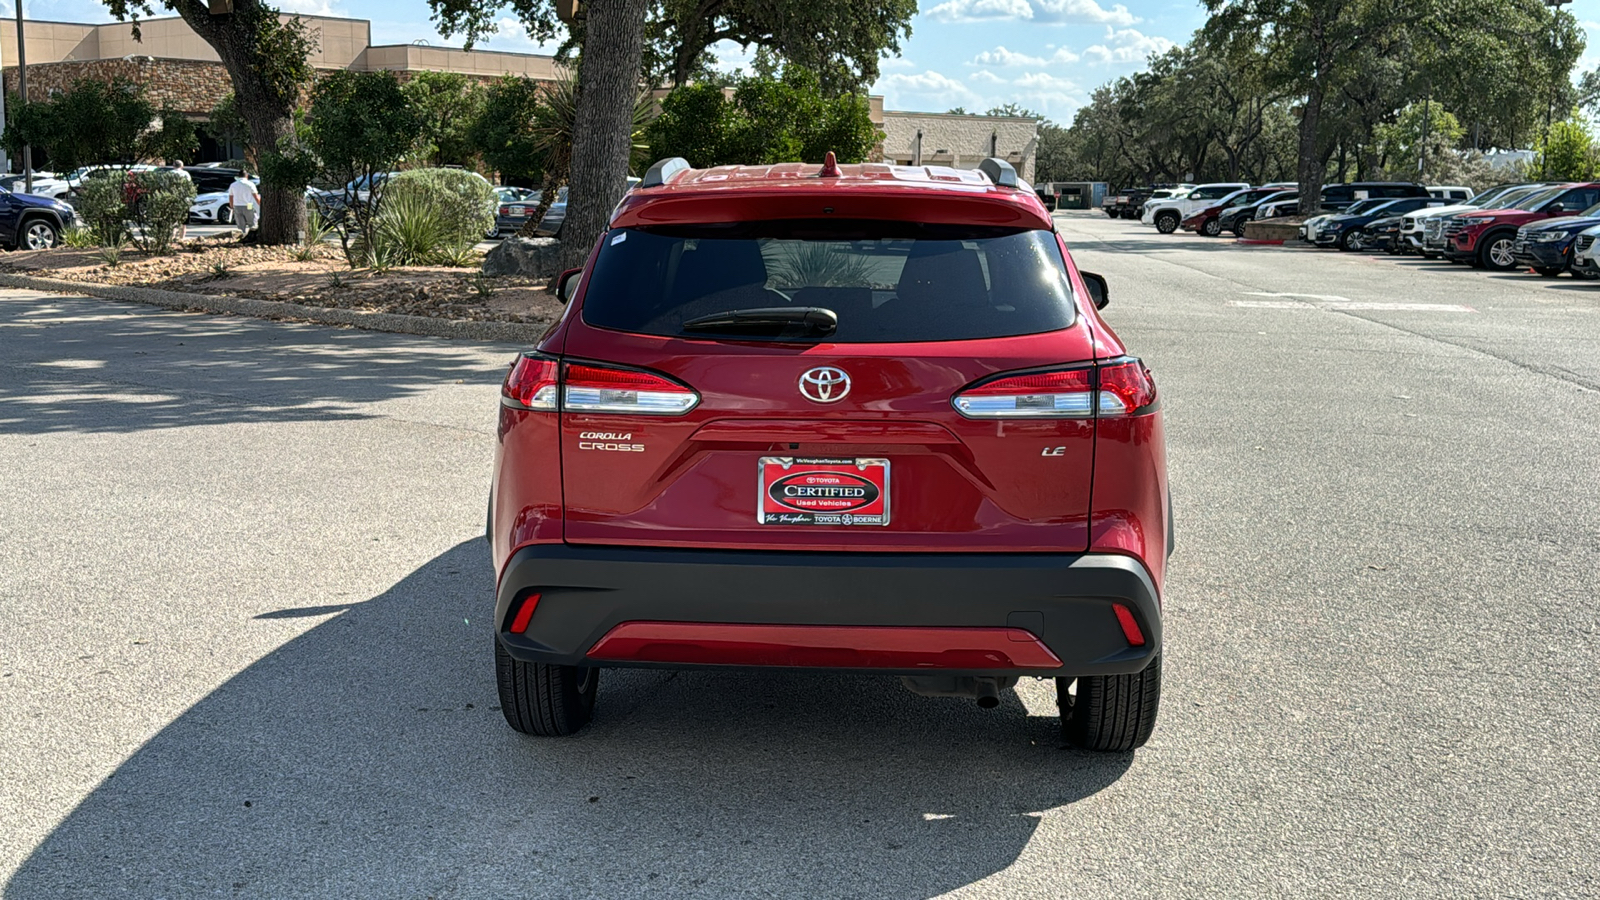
(825, 384)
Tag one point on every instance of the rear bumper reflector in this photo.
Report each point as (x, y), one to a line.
(1130, 625)
(519, 624)
(825, 646)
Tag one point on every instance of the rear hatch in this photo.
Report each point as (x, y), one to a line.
(795, 385)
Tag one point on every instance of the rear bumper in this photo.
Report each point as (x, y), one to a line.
(946, 613)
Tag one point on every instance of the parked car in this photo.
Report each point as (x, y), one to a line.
(1453, 192)
(1047, 200)
(1344, 230)
(32, 222)
(516, 205)
(1234, 218)
(1546, 247)
(1310, 227)
(1025, 529)
(1129, 203)
(1167, 213)
(1338, 197)
(212, 179)
(1413, 227)
(1207, 220)
(1485, 237)
(1434, 225)
(1586, 254)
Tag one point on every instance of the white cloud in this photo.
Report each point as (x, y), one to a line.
(925, 90)
(1044, 12)
(310, 7)
(984, 76)
(1126, 46)
(894, 63)
(1007, 59)
(1044, 81)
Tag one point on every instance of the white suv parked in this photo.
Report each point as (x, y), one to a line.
(1166, 214)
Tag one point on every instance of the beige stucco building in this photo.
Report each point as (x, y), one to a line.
(958, 140)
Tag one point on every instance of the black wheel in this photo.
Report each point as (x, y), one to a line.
(225, 215)
(1167, 222)
(1238, 225)
(1349, 241)
(1113, 713)
(1111, 213)
(1211, 228)
(1494, 252)
(38, 234)
(543, 699)
(1548, 271)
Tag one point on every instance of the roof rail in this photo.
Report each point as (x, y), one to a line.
(999, 171)
(663, 171)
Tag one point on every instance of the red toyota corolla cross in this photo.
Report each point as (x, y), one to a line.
(861, 418)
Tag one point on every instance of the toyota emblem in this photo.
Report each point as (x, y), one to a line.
(825, 384)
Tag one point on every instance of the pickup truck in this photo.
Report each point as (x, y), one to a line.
(1166, 213)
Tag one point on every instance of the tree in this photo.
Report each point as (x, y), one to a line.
(1568, 154)
(266, 58)
(503, 131)
(1013, 109)
(447, 106)
(92, 122)
(228, 126)
(841, 40)
(359, 126)
(175, 138)
(769, 119)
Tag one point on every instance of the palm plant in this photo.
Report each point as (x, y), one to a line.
(551, 139)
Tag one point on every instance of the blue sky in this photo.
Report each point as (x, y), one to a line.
(1044, 54)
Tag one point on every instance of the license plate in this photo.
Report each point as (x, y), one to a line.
(823, 491)
(519, 210)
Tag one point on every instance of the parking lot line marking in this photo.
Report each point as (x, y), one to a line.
(1410, 307)
(1328, 301)
(1271, 304)
(1326, 298)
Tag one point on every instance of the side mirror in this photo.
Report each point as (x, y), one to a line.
(1555, 209)
(1098, 291)
(567, 285)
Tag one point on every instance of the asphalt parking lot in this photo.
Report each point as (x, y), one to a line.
(246, 652)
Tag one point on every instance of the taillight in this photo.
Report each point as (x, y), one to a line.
(1068, 393)
(532, 382)
(1126, 388)
(505, 210)
(591, 388)
(1120, 388)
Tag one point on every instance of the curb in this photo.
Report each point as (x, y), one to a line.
(1261, 242)
(510, 332)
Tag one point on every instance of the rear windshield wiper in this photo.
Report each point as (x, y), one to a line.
(777, 321)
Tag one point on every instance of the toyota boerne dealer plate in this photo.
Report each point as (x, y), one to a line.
(823, 491)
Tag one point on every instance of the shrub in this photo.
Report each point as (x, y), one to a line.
(79, 238)
(406, 233)
(461, 202)
(102, 204)
(160, 203)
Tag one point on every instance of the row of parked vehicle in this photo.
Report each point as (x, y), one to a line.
(1547, 227)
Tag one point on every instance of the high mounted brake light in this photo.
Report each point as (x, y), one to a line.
(1119, 388)
(602, 389)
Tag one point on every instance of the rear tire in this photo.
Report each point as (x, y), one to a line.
(1167, 222)
(1111, 713)
(541, 699)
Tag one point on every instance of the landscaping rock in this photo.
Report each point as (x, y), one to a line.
(524, 256)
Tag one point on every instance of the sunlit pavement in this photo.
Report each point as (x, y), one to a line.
(246, 649)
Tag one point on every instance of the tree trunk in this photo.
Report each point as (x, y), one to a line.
(602, 133)
(1311, 166)
(269, 114)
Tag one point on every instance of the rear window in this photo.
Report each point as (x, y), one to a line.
(886, 282)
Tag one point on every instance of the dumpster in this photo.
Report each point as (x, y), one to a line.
(1079, 194)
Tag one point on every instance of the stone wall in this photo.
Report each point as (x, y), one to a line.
(191, 86)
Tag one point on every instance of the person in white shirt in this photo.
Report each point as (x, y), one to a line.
(246, 203)
(177, 169)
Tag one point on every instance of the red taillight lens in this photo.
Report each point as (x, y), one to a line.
(1126, 388)
(519, 623)
(591, 388)
(1130, 625)
(1068, 393)
(532, 382)
(505, 210)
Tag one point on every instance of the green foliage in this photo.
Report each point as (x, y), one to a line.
(768, 120)
(406, 233)
(227, 124)
(161, 204)
(292, 164)
(801, 264)
(176, 138)
(461, 203)
(93, 122)
(1013, 109)
(447, 105)
(79, 237)
(1569, 154)
(360, 123)
(503, 131)
(1423, 132)
(102, 204)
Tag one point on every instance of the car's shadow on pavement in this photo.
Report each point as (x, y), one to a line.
(79, 364)
(367, 758)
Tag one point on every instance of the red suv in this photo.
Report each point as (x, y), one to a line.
(1488, 237)
(852, 418)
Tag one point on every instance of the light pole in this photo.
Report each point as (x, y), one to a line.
(22, 97)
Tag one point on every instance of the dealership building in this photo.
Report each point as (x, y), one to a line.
(179, 70)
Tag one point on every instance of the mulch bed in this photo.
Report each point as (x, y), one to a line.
(222, 266)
